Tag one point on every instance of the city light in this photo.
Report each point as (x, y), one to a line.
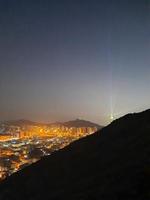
(21, 146)
(111, 117)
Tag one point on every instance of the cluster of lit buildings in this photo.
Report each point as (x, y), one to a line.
(21, 146)
(17, 154)
(17, 132)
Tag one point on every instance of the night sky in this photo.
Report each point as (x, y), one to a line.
(66, 59)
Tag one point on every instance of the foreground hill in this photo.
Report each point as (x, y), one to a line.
(113, 164)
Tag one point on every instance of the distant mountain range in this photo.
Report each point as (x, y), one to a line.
(22, 122)
(112, 164)
(73, 123)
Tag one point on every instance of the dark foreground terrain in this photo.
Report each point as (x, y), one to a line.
(111, 164)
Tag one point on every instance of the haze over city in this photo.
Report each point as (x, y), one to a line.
(76, 59)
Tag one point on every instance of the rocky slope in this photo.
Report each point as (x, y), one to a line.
(113, 164)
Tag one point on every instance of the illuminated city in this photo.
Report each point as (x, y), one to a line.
(22, 145)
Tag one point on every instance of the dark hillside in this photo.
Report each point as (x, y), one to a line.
(111, 164)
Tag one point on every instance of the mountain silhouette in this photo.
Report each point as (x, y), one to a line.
(81, 123)
(112, 164)
(78, 123)
(74, 123)
(22, 122)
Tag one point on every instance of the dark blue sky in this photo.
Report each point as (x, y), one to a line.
(65, 59)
